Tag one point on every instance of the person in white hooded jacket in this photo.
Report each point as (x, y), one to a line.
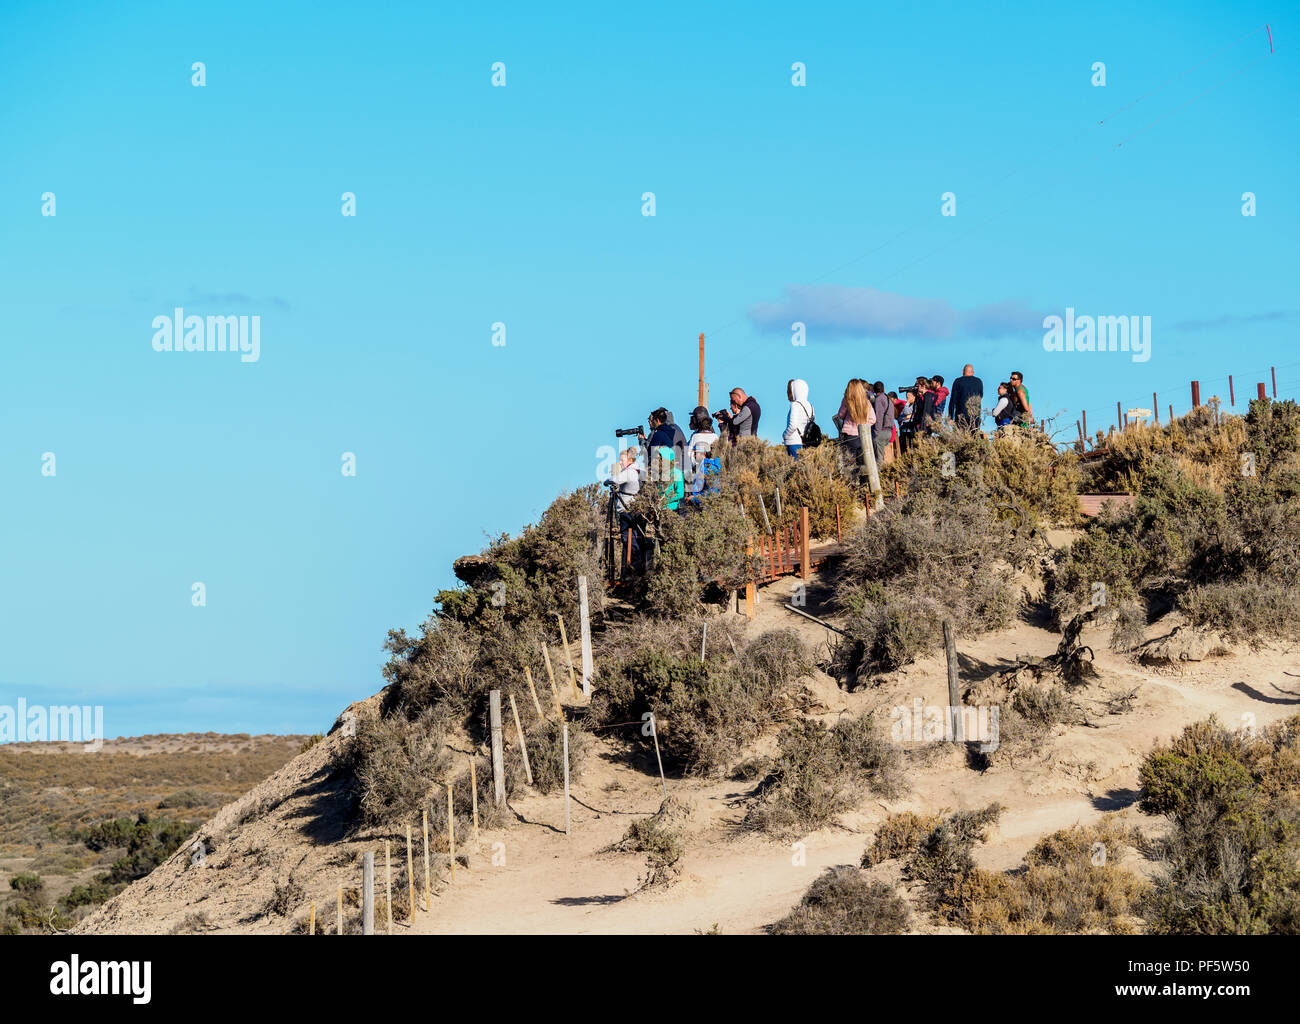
(798, 418)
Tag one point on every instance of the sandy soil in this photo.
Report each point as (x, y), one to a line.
(532, 878)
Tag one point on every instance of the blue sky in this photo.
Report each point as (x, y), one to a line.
(522, 205)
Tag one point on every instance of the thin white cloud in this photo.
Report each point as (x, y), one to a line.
(836, 311)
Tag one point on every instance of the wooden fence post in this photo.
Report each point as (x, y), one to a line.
(428, 888)
(410, 872)
(839, 532)
(473, 795)
(584, 620)
(451, 832)
(1085, 422)
(565, 727)
(388, 882)
(528, 675)
(1261, 390)
(873, 471)
(1232, 395)
(1171, 414)
(654, 731)
(368, 893)
(1273, 371)
(1196, 394)
(568, 656)
(805, 547)
(523, 747)
(1155, 408)
(550, 675)
(954, 696)
(498, 753)
(749, 586)
(1119, 417)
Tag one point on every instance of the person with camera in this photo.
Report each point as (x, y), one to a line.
(625, 482)
(741, 420)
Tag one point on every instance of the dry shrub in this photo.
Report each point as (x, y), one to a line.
(817, 480)
(843, 901)
(820, 773)
(395, 763)
(700, 553)
(1069, 884)
(1245, 609)
(1231, 862)
(660, 837)
(899, 835)
(1207, 453)
(908, 568)
(705, 712)
(1014, 467)
(1222, 554)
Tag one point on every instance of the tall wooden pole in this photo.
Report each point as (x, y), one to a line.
(368, 893)
(1196, 394)
(523, 747)
(954, 697)
(1273, 371)
(703, 396)
(498, 751)
(1155, 408)
(1261, 390)
(1232, 396)
(584, 622)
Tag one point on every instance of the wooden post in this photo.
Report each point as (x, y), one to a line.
(954, 696)
(568, 657)
(1273, 371)
(368, 893)
(1232, 396)
(1085, 422)
(839, 532)
(805, 548)
(704, 638)
(1119, 417)
(311, 921)
(873, 471)
(703, 396)
(654, 731)
(528, 675)
(498, 753)
(1155, 408)
(1079, 427)
(410, 871)
(523, 747)
(1196, 394)
(451, 832)
(749, 586)
(1171, 414)
(1261, 390)
(428, 887)
(388, 882)
(340, 918)
(473, 793)
(762, 507)
(584, 624)
(565, 727)
(898, 489)
(1126, 422)
(550, 675)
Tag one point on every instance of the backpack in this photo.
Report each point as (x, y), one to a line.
(812, 434)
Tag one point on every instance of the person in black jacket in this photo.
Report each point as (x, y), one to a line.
(667, 434)
(964, 402)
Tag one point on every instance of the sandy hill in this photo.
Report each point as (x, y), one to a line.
(286, 844)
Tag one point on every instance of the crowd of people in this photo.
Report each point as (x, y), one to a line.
(688, 465)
